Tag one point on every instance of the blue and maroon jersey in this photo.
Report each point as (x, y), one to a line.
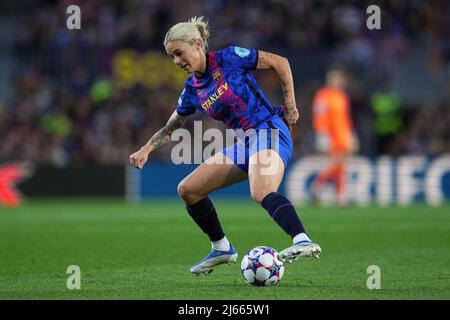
(227, 91)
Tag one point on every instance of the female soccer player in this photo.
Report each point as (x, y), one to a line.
(222, 86)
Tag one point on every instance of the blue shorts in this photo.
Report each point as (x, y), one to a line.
(262, 138)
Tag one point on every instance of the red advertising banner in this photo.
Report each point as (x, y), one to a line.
(10, 175)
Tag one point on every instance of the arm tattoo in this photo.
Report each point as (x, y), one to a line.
(264, 60)
(162, 137)
(281, 66)
(287, 85)
(176, 121)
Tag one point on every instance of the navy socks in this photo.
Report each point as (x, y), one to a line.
(282, 211)
(278, 206)
(205, 216)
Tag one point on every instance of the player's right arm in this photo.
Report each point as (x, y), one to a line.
(159, 139)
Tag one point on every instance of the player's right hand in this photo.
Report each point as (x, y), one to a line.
(139, 158)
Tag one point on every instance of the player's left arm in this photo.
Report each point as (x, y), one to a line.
(281, 66)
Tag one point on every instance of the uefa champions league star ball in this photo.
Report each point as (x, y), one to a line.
(261, 267)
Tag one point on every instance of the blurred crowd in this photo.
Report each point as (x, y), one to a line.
(65, 107)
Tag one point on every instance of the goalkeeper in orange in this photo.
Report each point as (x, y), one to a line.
(334, 133)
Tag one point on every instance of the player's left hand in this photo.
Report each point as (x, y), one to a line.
(291, 117)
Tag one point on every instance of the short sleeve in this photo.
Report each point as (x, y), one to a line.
(184, 105)
(241, 58)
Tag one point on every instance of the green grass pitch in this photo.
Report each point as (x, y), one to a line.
(144, 251)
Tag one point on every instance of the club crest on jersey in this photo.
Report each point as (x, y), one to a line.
(241, 52)
(217, 75)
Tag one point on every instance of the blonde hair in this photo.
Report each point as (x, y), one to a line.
(195, 28)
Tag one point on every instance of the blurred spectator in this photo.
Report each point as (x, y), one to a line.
(388, 116)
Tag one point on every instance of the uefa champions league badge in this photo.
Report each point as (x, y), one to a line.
(241, 52)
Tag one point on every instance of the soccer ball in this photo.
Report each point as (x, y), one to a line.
(261, 267)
